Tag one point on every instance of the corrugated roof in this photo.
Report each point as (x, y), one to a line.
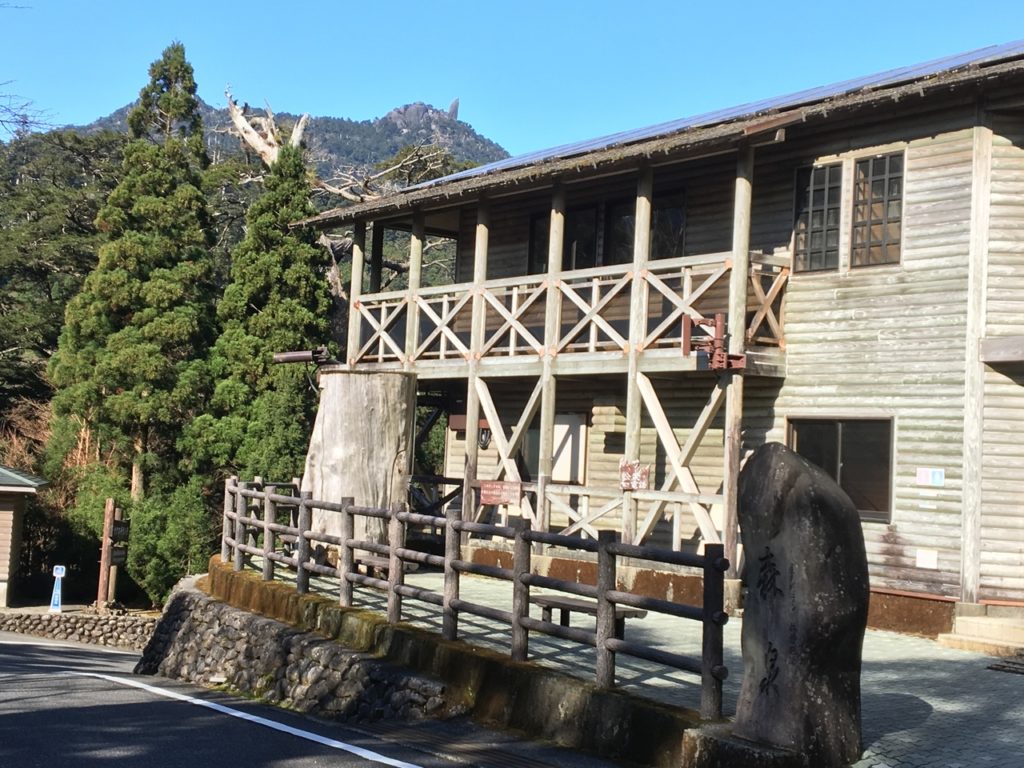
(891, 77)
(14, 478)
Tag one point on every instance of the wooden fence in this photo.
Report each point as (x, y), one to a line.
(274, 522)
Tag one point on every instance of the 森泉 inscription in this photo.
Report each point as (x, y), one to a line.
(805, 611)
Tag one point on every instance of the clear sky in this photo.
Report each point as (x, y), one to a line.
(529, 74)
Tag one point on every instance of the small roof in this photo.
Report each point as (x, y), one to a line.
(721, 126)
(15, 481)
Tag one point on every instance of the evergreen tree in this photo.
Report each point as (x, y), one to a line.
(260, 415)
(128, 366)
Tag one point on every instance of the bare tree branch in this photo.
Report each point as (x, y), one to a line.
(261, 134)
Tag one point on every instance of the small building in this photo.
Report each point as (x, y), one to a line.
(15, 488)
(841, 270)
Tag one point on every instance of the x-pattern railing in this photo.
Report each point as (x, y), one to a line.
(593, 308)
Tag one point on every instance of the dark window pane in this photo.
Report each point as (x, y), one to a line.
(620, 219)
(864, 471)
(668, 226)
(817, 215)
(580, 239)
(877, 210)
(539, 231)
(818, 442)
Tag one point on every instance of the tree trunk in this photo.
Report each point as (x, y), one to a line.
(138, 479)
(361, 445)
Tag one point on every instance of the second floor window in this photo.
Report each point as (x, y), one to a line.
(816, 237)
(877, 210)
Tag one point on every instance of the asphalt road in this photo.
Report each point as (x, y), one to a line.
(65, 705)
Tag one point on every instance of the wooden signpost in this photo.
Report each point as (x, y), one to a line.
(115, 531)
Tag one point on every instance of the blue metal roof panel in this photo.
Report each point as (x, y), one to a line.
(890, 77)
(14, 478)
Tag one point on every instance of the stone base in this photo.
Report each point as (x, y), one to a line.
(714, 746)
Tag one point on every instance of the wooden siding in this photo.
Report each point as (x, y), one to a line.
(10, 524)
(1002, 463)
(1004, 300)
(887, 342)
(1002, 494)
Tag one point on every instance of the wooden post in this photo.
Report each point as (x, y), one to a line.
(412, 314)
(108, 528)
(112, 587)
(738, 281)
(225, 549)
(346, 557)
(605, 611)
(452, 552)
(974, 379)
(376, 256)
(305, 519)
(356, 291)
(269, 517)
(637, 333)
(476, 343)
(552, 331)
(240, 512)
(520, 597)
(396, 570)
(713, 660)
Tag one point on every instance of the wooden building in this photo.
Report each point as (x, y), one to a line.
(15, 488)
(862, 249)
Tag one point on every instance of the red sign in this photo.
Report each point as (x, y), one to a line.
(633, 476)
(500, 492)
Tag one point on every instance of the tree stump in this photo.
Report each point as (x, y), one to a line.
(361, 446)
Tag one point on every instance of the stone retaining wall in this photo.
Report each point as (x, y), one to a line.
(119, 631)
(205, 641)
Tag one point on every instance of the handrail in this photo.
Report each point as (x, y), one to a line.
(252, 530)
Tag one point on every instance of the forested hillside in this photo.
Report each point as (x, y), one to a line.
(338, 142)
(147, 275)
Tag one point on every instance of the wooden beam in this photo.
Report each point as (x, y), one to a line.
(412, 315)
(637, 332)
(738, 282)
(355, 290)
(507, 448)
(1002, 349)
(974, 369)
(679, 466)
(478, 329)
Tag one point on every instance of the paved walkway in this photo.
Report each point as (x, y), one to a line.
(924, 706)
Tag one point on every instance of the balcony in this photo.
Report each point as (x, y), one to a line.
(581, 320)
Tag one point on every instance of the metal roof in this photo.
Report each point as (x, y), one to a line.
(17, 480)
(977, 58)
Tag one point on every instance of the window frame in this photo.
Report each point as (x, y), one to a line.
(866, 515)
(848, 161)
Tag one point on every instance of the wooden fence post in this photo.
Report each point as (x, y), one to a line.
(712, 668)
(452, 552)
(269, 518)
(605, 611)
(346, 558)
(225, 548)
(396, 569)
(240, 512)
(302, 543)
(520, 598)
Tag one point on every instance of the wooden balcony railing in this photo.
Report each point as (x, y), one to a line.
(593, 307)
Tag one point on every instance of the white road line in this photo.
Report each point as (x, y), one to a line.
(333, 743)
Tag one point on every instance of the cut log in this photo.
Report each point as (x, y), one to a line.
(361, 446)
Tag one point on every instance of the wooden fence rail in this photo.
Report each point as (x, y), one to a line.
(259, 521)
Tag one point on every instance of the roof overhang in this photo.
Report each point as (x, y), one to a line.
(696, 141)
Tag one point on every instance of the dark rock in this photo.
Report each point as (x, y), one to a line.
(805, 612)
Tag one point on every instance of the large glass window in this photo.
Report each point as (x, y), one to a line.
(816, 229)
(668, 220)
(856, 453)
(877, 210)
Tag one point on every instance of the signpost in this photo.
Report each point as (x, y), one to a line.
(55, 600)
(115, 531)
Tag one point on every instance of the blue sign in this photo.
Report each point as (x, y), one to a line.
(55, 602)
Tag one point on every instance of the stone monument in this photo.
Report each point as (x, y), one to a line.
(805, 612)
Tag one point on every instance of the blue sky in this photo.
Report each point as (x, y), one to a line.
(529, 74)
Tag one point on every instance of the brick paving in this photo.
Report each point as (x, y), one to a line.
(924, 706)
